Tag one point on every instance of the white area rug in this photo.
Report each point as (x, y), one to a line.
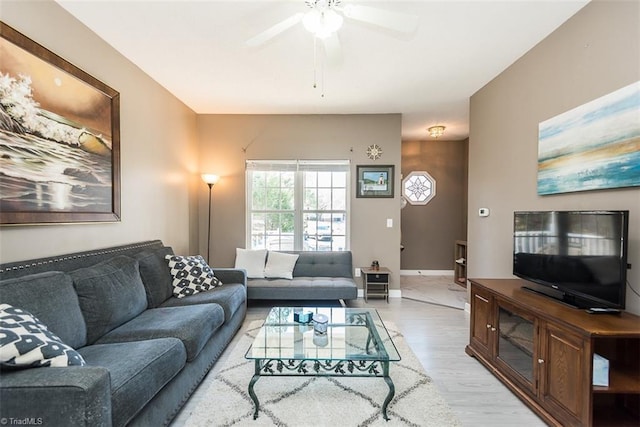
(441, 290)
(320, 401)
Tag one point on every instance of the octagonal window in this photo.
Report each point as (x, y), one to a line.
(418, 188)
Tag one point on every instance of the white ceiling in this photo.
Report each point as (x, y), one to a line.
(195, 49)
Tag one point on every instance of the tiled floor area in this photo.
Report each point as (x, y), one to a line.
(440, 290)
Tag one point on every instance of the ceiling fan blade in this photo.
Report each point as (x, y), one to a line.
(400, 22)
(332, 49)
(270, 33)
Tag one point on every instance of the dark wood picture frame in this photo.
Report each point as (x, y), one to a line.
(373, 181)
(59, 138)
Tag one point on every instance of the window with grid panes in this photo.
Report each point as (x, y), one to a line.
(298, 205)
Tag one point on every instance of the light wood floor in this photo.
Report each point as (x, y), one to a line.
(437, 335)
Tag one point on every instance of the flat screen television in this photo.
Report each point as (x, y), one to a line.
(578, 257)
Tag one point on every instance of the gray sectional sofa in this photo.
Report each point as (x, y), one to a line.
(316, 276)
(145, 350)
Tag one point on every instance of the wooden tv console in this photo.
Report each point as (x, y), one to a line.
(543, 351)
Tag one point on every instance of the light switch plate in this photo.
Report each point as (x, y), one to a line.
(358, 272)
(389, 222)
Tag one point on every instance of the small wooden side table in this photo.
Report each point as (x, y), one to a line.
(376, 282)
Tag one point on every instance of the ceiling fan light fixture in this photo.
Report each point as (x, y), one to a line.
(322, 24)
(436, 131)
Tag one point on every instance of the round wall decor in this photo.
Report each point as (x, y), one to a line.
(374, 151)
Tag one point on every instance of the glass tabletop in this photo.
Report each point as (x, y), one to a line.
(352, 334)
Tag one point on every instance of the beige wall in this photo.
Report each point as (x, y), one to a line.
(429, 231)
(227, 141)
(594, 53)
(158, 146)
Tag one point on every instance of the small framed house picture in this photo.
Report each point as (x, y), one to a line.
(375, 181)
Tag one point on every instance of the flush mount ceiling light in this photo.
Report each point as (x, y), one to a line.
(436, 131)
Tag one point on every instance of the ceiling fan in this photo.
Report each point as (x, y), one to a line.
(325, 17)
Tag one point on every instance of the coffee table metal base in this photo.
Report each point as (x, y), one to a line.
(328, 368)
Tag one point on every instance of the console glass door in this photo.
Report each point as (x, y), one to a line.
(515, 343)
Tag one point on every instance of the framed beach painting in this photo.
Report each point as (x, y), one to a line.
(59, 138)
(594, 146)
(374, 181)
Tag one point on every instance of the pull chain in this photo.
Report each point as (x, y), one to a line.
(315, 60)
(315, 68)
(322, 78)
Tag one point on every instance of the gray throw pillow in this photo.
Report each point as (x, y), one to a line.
(110, 294)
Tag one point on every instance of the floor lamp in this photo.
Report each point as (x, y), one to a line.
(211, 180)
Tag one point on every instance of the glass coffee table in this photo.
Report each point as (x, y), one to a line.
(356, 344)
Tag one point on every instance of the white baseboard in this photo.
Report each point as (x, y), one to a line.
(426, 272)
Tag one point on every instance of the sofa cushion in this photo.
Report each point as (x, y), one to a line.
(155, 274)
(110, 294)
(193, 325)
(303, 288)
(51, 298)
(280, 265)
(191, 274)
(252, 261)
(25, 342)
(324, 264)
(230, 296)
(138, 371)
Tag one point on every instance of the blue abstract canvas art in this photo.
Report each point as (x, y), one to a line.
(594, 146)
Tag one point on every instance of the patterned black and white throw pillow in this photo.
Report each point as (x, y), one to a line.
(25, 342)
(191, 274)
